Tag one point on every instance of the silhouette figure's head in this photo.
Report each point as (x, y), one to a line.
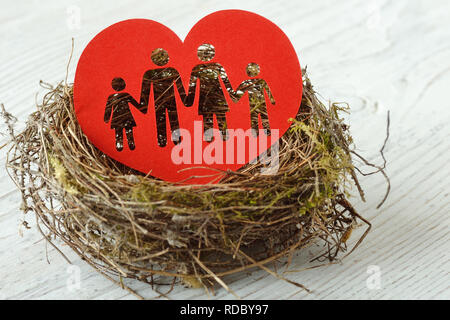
(206, 52)
(118, 84)
(160, 57)
(252, 69)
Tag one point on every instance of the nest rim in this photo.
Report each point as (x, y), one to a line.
(77, 192)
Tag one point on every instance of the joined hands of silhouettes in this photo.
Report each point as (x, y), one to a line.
(212, 102)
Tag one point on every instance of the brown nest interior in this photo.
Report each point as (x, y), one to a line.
(128, 225)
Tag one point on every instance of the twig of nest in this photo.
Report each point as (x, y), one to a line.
(128, 225)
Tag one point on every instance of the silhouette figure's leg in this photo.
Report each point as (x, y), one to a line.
(130, 138)
(208, 123)
(255, 124)
(265, 122)
(174, 124)
(161, 126)
(119, 139)
(222, 121)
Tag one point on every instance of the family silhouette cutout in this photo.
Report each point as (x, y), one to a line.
(162, 82)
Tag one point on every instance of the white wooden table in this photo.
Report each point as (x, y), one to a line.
(377, 55)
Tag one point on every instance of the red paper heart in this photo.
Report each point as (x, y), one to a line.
(124, 50)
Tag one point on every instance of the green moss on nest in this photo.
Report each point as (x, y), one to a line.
(60, 173)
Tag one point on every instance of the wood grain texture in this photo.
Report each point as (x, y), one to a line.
(377, 55)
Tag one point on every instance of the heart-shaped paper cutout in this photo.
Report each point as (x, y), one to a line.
(138, 71)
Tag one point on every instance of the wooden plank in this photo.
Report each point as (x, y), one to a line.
(377, 55)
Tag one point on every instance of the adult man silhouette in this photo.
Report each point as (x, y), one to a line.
(211, 97)
(162, 80)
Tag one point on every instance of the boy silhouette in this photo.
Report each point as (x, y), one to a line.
(211, 97)
(122, 118)
(257, 100)
(162, 81)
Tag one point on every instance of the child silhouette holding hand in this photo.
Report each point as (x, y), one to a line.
(255, 88)
(122, 118)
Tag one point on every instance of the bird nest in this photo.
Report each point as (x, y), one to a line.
(129, 225)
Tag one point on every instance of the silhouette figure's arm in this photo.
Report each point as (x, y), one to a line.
(108, 110)
(240, 91)
(269, 93)
(145, 91)
(190, 97)
(136, 104)
(179, 85)
(226, 82)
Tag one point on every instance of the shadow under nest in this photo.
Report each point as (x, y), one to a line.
(128, 225)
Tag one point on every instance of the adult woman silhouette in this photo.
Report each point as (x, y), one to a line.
(211, 97)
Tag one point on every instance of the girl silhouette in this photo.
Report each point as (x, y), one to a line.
(122, 118)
